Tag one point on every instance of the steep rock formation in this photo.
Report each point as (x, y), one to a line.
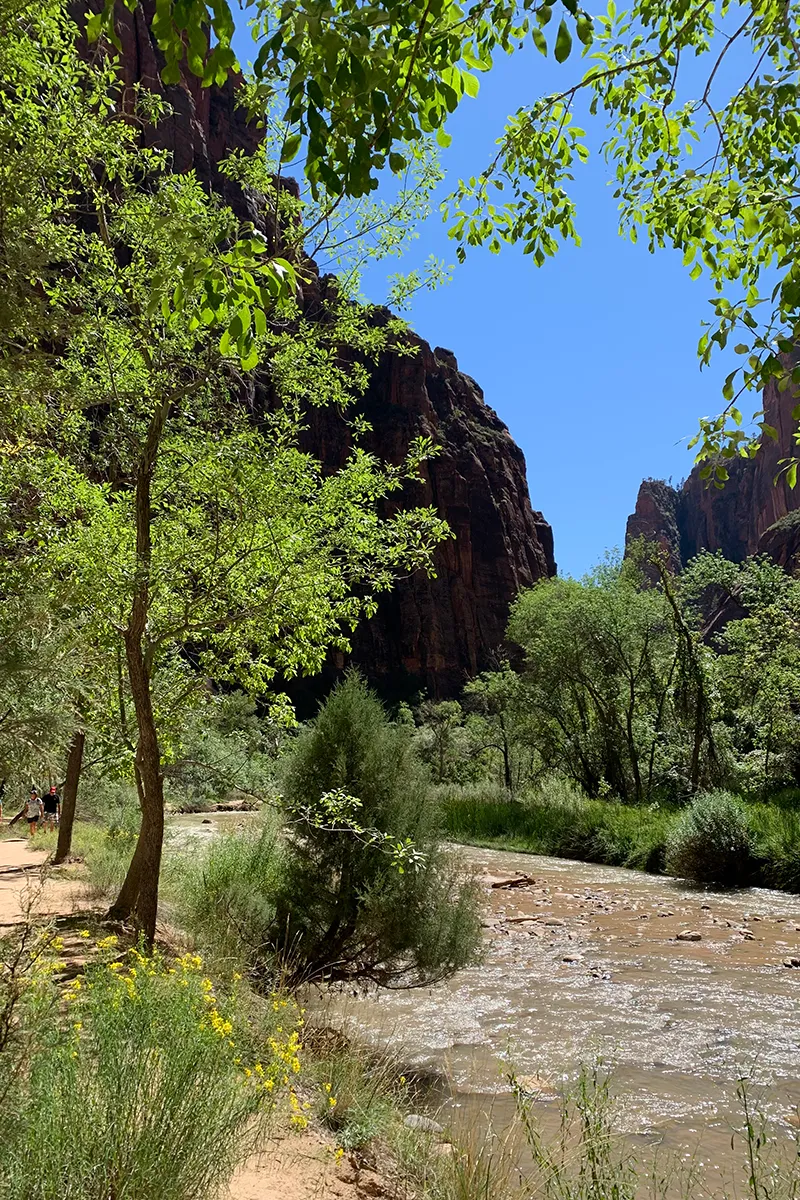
(434, 633)
(751, 514)
(431, 633)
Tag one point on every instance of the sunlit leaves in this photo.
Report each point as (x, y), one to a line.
(356, 77)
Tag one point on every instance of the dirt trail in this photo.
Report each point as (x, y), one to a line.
(299, 1167)
(21, 879)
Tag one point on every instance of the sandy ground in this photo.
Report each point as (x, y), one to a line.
(299, 1167)
(21, 883)
(304, 1167)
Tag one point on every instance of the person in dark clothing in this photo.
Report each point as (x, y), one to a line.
(52, 808)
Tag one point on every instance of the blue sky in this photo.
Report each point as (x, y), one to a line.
(591, 360)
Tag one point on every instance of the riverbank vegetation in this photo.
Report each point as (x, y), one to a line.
(652, 722)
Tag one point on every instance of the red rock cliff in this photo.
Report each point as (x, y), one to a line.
(751, 514)
(428, 633)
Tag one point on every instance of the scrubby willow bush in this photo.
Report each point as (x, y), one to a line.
(142, 1077)
(711, 842)
(346, 908)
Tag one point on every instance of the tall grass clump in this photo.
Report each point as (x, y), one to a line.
(558, 819)
(348, 907)
(137, 1075)
(712, 842)
(358, 1091)
(776, 835)
(226, 897)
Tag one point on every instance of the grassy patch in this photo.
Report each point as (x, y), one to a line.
(638, 836)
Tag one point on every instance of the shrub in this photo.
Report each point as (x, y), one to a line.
(346, 910)
(137, 1078)
(711, 842)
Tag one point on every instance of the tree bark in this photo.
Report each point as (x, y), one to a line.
(69, 796)
(138, 897)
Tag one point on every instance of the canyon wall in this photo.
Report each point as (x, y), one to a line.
(751, 514)
(429, 633)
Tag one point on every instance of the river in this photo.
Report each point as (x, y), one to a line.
(586, 961)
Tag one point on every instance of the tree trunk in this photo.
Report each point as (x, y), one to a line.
(69, 796)
(138, 897)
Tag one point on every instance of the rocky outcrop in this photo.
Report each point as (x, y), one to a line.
(751, 514)
(429, 633)
(435, 633)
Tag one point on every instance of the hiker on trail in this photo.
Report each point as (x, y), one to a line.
(33, 810)
(51, 808)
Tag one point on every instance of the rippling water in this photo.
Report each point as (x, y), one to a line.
(598, 970)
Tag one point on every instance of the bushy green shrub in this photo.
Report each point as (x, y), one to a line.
(139, 1082)
(346, 909)
(711, 842)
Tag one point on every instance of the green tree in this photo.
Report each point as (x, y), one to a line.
(345, 911)
(188, 529)
(752, 613)
(611, 690)
(497, 697)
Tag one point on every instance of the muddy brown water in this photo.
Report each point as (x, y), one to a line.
(585, 962)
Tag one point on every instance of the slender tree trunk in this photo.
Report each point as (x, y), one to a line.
(138, 897)
(69, 796)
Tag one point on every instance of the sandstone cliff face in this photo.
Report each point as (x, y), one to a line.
(429, 633)
(750, 515)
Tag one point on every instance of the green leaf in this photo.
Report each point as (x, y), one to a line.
(443, 138)
(471, 84)
(539, 40)
(563, 43)
(290, 147)
(751, 223)
(585, 29)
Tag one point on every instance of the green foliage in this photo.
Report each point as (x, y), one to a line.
(40, 658)
(225, 753)
(135, 1071)
(448, 742)
(225, 898)
(345, 909)
(356, 80)
(699, 102)
(711, 842)
(776, 836)
(563, 825)
(612, 692)
(757, 669)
